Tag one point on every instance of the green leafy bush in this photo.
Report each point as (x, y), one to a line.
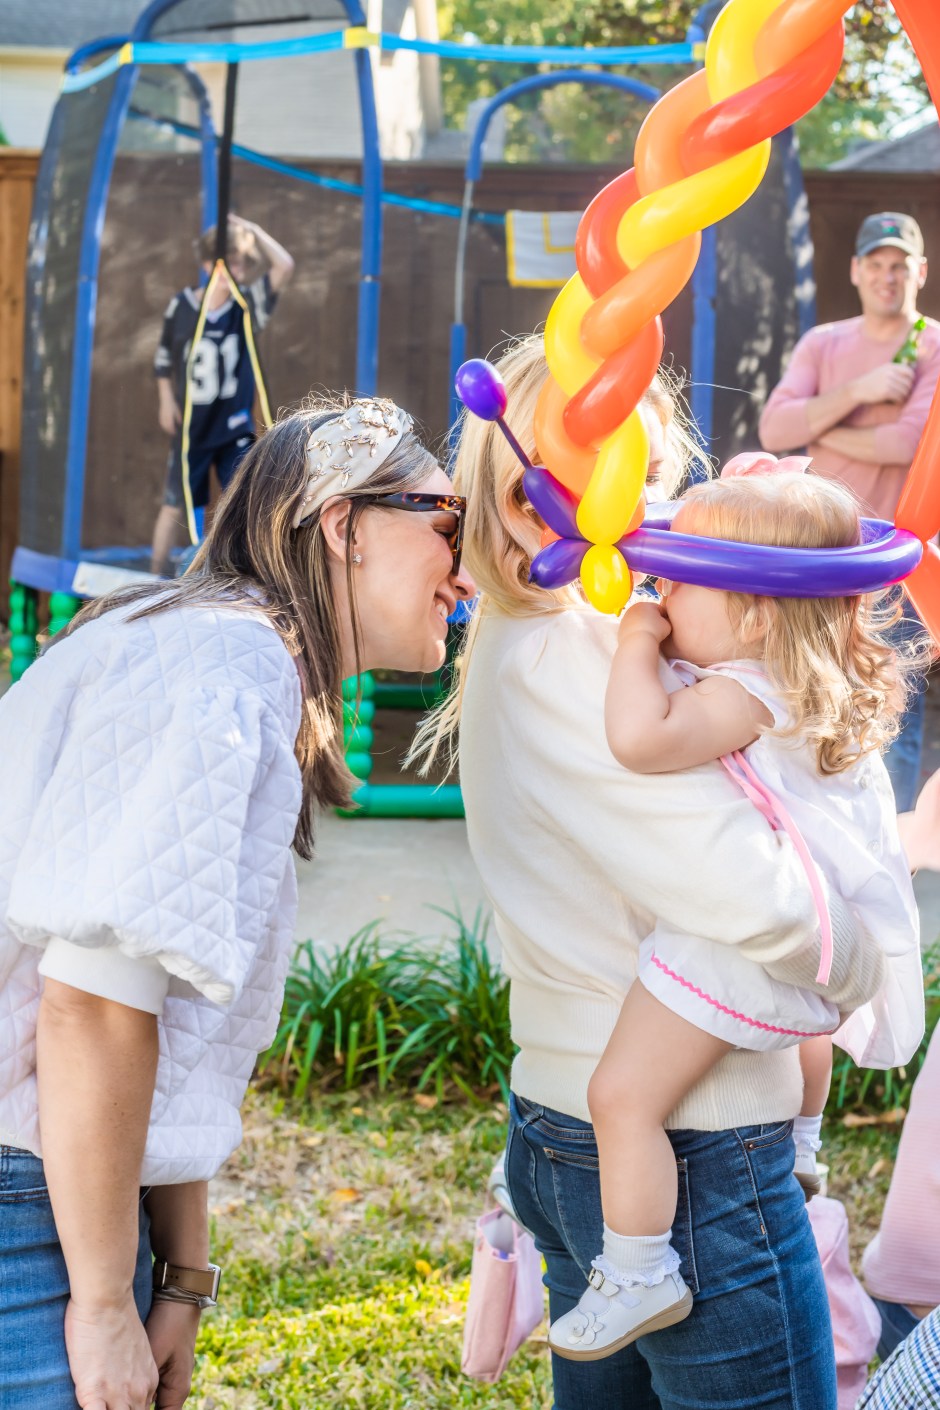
(417, 1014)
(867, 1089)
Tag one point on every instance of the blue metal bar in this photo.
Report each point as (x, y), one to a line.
(547, 54)
(458, 354)
(547, 80)
(145, 52)
(163, 52)
(84, 52)
(704, 290)
(328, 183)
(370, 277)
(77, 82)
(85, 308)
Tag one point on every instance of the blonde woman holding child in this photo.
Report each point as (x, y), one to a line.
(583, 860)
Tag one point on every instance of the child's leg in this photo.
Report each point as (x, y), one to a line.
(652, 1060)
(816, 1065)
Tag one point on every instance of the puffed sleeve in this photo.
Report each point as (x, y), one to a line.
(164, 832)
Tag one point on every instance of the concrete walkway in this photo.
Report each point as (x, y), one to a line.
(391, 870)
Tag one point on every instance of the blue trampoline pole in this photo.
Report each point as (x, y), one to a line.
(370, 276)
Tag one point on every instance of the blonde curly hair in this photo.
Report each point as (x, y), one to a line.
(842, 682)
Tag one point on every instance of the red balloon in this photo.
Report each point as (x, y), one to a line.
(919, 508)
(767, 107)
(616, 387)
(595, 246)
(923, 588)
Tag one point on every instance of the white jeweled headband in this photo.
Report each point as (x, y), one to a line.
(348, 448)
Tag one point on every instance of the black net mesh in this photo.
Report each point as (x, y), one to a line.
(55, 250)
(148, 253)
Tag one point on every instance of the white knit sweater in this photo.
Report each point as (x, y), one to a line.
(150, 796)
(580, 856)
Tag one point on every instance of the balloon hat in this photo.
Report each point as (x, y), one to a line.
(700, 154)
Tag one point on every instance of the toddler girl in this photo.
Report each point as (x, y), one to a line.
(796, 697)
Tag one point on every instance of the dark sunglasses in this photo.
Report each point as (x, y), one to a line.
(416, 503)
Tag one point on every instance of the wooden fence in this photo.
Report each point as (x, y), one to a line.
(312, 342)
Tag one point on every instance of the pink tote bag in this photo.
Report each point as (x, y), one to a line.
(856, 1324)
(506, 1301)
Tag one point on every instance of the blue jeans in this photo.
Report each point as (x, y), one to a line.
(902, 760)
(759, 1334)
(34, 1289)
(897, 1322)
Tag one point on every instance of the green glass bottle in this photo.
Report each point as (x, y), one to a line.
(908, 352)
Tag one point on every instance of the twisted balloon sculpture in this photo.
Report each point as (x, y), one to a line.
(700, 154)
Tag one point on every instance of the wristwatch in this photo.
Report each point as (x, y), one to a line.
(198, 1285)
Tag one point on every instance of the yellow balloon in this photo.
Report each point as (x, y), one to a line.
(732, 42)
(686, 206)
(617, 482)
(568, 361)
(606, 579)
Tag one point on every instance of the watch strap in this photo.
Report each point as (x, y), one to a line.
(201, 1284)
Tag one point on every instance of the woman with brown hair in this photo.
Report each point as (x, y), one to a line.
(159, 763)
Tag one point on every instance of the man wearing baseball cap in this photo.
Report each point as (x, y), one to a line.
(856, 394)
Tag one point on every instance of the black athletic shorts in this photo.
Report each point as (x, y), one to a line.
(226, 460)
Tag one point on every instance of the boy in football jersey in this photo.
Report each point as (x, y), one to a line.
(222, 381)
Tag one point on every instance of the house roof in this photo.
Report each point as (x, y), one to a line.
(48, 24)
(917, 151)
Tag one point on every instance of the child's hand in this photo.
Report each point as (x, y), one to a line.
(644, 619)
(169, 416)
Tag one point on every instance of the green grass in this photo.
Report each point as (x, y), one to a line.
(345, 1219)
(431, 1016)
(345, 1229)
(345, 1225)
(866, 1089)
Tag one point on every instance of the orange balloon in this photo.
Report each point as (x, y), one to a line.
(572, 464)
(548, 536)
(638, 515)
(923, 588)
(792, 28)
(638, 297)
(657, 155)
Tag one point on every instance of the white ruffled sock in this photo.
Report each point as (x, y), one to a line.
(629, 1260)
(806, 1131)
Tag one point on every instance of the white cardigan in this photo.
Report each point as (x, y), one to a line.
(580, 857)
(150, 796)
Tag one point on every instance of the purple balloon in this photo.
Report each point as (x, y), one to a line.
(558, 564)
(480, 388)
(885, 556)
(552, 502)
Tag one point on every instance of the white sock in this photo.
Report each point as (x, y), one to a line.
(806, 1131)
(630, 1260)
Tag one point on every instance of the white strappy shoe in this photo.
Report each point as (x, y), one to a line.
(609, 1316)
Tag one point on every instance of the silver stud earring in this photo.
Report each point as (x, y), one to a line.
(357, 558)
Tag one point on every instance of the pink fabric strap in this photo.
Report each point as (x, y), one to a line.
(770, 806)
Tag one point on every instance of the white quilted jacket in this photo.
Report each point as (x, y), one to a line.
(150, 795)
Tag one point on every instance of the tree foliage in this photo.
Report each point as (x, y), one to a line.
(879, 85)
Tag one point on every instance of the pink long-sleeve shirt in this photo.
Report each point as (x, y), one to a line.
(828, 357)
(902, 1263)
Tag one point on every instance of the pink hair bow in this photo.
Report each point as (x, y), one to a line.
(758, 462)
